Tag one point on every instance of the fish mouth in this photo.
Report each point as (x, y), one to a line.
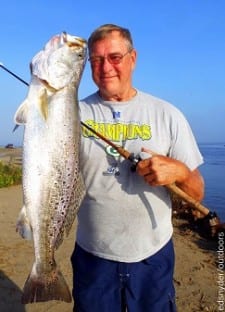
(73, 41)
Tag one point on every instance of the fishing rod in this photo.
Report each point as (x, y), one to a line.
(134, 160)
(14, 75)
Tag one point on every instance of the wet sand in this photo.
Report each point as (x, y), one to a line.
(195, 276)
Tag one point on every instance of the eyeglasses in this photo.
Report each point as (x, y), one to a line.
(112, 58)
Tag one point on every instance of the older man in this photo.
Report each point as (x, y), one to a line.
(124, 256)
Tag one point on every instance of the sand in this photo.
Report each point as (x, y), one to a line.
(196, 271)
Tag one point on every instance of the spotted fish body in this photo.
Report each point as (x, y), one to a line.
(52, 183)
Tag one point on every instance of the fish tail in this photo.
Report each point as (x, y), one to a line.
(45, 287)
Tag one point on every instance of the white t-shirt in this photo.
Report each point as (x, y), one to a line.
(122, 218)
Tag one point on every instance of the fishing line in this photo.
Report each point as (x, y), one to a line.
(134, 160)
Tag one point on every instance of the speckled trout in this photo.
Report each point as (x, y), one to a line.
(52, 183)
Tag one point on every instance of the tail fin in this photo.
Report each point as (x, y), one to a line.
(46, 287)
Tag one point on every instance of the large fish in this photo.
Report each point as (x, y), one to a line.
(52, 183)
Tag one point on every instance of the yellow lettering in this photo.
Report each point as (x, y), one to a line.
(118, 132)
(146, 132)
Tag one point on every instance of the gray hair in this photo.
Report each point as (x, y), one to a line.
(102, 32)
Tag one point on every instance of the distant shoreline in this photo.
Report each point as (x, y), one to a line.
(11, 155)
(211, 143)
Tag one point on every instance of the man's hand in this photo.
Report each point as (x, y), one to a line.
(162, 170)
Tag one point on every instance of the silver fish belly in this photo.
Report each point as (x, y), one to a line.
(53, 187)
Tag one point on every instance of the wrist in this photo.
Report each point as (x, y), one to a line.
(183, 174)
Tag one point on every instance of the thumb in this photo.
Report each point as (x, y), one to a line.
(146, 153)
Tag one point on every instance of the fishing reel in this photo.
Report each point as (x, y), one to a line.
(135, 158)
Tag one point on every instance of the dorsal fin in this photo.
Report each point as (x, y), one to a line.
(20, 116)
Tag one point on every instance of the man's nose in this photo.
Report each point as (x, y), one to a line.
(105, 64)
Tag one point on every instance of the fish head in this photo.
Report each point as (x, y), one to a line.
(61, 61)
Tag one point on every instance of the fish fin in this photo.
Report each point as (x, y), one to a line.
(43, 103)
(20, 116)
(16, 126)
(45, 286)
(23, 226)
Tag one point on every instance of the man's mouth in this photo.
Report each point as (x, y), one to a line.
(107, 77)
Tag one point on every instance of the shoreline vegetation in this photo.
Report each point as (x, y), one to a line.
(199, 276)
(10, 166)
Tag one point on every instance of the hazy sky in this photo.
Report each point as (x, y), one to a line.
(180, 44)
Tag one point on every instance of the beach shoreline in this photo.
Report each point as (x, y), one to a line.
(195, 278)
(195, 275)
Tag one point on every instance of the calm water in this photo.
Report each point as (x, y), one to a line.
(213, 171)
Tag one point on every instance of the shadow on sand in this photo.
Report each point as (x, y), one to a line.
(10, 295)
(203, 242)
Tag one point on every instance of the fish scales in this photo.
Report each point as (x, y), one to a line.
(53, 187)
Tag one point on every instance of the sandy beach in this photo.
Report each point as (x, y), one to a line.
(195, 278)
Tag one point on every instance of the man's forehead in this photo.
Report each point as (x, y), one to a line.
(111, 42)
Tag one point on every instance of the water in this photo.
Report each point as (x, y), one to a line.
(213, 171)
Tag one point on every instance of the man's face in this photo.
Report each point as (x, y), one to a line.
(113, 80)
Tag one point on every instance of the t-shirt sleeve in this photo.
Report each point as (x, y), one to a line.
(183, 143)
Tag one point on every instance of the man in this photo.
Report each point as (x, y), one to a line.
(124, 257)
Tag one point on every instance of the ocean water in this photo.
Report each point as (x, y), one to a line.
(213, 171)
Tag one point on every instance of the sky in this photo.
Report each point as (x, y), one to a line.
(180, 46)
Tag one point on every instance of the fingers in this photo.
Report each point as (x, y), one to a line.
(150, 167)
(151, 179)
(143, 167)
(148, 151)
(154, 168)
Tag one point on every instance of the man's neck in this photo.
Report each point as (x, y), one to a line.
(119, 97)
